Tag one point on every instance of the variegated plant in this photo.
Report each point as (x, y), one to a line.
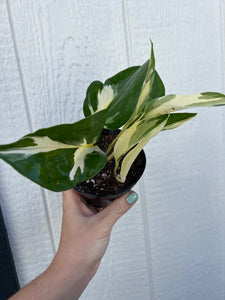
(60, 157)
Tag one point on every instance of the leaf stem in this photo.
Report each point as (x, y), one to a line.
(113, 142)
(110, 156)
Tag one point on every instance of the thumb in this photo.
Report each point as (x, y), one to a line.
(117, 208)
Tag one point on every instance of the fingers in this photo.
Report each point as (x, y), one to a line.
(116, 209)
(74, 203)
(71, 199)
(69, 194)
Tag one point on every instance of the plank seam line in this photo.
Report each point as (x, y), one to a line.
(19, 66)
(147, 241)
(127, 33)
(126, 25)
(222, 9)
(223, 40)
(28, 112)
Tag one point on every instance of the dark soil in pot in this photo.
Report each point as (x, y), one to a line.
(104, 185)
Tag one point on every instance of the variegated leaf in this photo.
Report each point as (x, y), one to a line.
(126, 99)
(171, 103)
(129, 89)
(59, 157)
(91, 102)
(153, 87)
(178, 119)
(99, 95)
(136, 136)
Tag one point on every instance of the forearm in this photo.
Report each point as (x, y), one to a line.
(58, 282)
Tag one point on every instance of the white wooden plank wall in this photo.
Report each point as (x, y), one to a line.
(23, 206)
(170, 245)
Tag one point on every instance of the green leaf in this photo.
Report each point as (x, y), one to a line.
(126, 99)
(132, 140)
(99, 95)
(88, 129)
(132, 87)
(153, 87)
(139, 90)
(59, 157)
(91, 101)
(171, 103)
(178, 119)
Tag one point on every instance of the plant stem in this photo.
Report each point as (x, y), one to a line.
(110, 156)
(113, 142)
(127, 125)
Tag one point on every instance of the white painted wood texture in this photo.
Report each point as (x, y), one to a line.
(171, 244)
(23, 206)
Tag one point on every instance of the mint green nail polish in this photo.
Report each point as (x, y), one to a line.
(132, 197)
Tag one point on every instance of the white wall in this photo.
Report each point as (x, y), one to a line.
(171, 245)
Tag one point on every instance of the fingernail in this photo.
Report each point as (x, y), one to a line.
(132, 197)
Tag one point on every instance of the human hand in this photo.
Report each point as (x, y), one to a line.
(84, 238)
(85, 234)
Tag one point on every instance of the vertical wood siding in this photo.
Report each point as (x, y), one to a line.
(170, 245)
(22, 203)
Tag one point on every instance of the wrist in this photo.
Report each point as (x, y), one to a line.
(69, 278)
(64, 270)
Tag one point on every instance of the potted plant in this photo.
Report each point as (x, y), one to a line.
(73, 155)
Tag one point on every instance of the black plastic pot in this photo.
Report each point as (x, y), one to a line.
(101, 201)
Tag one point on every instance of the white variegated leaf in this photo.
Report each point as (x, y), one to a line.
(130, 157)
(178, 119)
(135, 136)
(105, 97)
(152, 87)
(111, 95)
(171, 103)
(61, 156)
(39, 144)
(79, 159)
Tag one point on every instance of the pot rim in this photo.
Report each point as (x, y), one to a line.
(91, 196)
